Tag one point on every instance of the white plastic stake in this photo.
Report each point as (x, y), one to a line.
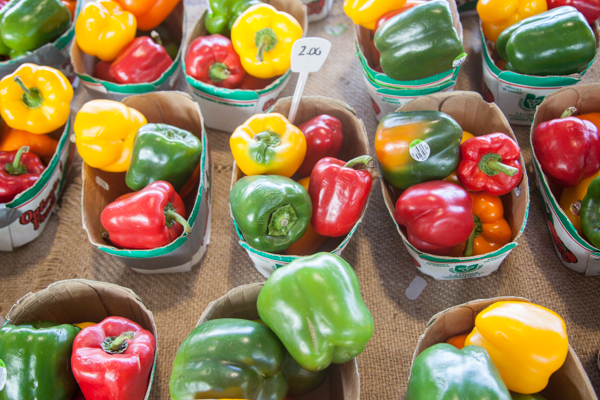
(308, 55)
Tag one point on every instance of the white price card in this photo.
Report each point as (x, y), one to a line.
(308, 55)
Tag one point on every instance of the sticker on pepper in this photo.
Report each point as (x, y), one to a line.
(419, 150)
(2, 374)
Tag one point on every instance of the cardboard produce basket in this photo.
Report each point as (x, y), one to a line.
(317, 10)
(573, 250)
(388, 94)
(516, 94)
(25, 217)
(55, 54)
(78, 300)
(569, 382)
(226, 109)
(479, 118)
(355, 144)
(99, 89)
(342, 381)
(101, 188)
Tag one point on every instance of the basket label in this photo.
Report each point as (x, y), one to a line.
(458, 61)
(419, 150)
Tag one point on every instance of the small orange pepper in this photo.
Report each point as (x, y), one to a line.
(491, 229)
(458, 341)
(310, 242)
(13, 139)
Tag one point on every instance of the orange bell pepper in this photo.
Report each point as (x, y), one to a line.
(149, 13)
(497, 15)
(570, 196)
(491, 229)
(13, 139)
(70, 4)
(310, 242)
(458, 341)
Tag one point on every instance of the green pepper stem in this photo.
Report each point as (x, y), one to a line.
(218, 72)
(31, 96)
(172, 216)
(505, 169)
(568, 112)
(16, 168)
(477, 229)
(265, 40)
(282, 220)
(156, 37)
(117, 345)
(359, 160)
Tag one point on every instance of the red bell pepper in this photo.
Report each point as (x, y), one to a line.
(253, 83)
(19, 170)
(438, 215)
(589, 8)
(112, 360)
(102, 71)
(147, 219)
(567, 148)
(387, 16)
(141, 61)
(212, 59)
(339, 194)
(490, 163)
(324, 138)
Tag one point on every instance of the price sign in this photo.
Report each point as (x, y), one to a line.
(308, 55)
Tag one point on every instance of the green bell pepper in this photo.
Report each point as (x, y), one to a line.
(29, 24)
(417, 146)
(556, 42)
(315, 308)
(300, 380)
(37, 358)
(420, 42)
(271, 211)
(443, 372)
(223, 13)
(589, 214)
(162, 152)
(229, 358)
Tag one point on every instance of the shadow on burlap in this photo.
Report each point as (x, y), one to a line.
(376, 252)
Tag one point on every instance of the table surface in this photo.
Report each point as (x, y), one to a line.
(383, 266)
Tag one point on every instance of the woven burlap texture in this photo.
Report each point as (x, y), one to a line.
(376, 252)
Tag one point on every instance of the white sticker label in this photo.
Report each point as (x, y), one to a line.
(419, 150)
(458, 61)
(309, 54)
(2, 375)
(102, 183)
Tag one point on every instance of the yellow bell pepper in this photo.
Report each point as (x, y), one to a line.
(103, 29)
(83, 325)
(35, 99)
(104, 133)
(268, 144)
(572, 195)
(367, 12)
(497, 15)
(263, 38)
(526, 342)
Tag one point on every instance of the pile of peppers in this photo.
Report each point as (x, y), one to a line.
(107, 29)
(249, 45)
(45, 360)
(161, 164)
(34, 103)
(403, 31)
(325, 199)
(312, 315)
(568, 150)
(451, 182)
(510, 354)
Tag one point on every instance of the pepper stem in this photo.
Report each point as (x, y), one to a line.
(31, 96)
(265, 40)
(491, 165)
(16, 168)
(359, 160)
(477, 229)
(265, 139)
(118, 344)
(568, 112)
(218, 72)
(282, 220)
(156, 37)
(171, 217)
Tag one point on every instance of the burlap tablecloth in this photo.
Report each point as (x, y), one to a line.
(376, 252)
